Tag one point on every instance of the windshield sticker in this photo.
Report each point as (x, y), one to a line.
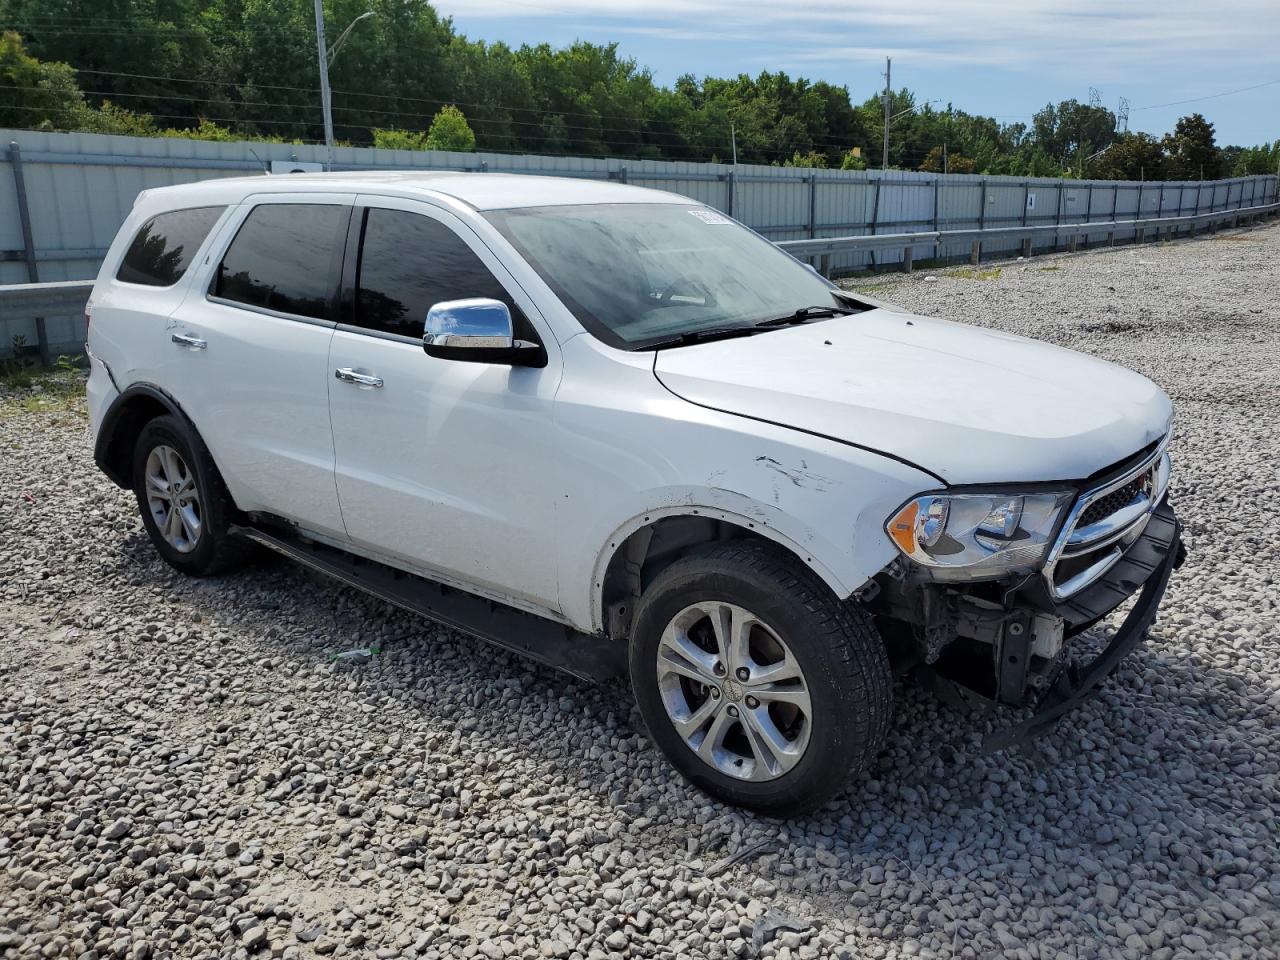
(710, 216)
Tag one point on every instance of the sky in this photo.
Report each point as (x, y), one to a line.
(1001, 59)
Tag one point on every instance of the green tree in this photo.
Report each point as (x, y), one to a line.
(36, 94)
(392, 139)
(1191, 151)
(1072, 131)
(940, 161)
(450, 131)
(110, 118)
(813, 159)
(1253, 161)
(104, 39)
(1134, 156)
(218, 69)
(853, 161)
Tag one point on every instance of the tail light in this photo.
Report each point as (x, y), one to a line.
(88, 315)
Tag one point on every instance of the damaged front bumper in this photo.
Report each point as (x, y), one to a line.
(1013, 645)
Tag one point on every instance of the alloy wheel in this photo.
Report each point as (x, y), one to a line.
(734, 691)
(173, 498)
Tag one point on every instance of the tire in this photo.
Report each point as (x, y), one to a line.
(198, 543)
(789, 619)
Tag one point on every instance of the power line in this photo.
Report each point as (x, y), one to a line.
(1212, 96)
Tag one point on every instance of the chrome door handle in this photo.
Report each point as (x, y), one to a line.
(188, 341)
(347, 375)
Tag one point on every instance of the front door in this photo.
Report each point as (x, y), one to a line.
(251, 356)
(441, 464)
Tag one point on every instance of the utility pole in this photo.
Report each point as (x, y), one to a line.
(733, 139)
(944, 157)
(325, 101)
(888, 99)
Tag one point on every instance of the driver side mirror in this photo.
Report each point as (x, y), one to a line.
(478, 330)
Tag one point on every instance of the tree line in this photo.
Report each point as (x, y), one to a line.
(405, 77)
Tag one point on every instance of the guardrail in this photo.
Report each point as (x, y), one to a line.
(46, 317)
(49, 317)
(824, 247)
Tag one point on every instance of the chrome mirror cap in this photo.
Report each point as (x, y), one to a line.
(478, 330)
(478, 323)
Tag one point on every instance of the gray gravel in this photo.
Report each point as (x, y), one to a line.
(183, 771)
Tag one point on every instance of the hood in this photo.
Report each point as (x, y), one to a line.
(967, 404)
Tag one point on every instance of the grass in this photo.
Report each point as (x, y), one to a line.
(1046, 269)
(26, 389)
(975, 273)
(872, 288)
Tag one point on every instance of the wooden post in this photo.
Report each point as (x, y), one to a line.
(1026, 248)
(975, 254)
(907, 256)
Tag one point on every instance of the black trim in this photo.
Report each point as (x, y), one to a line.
(103, 443)
(786, 426)
(524, 353)
(590, 657)
(337, 263)
(350, 266)
(268, 312)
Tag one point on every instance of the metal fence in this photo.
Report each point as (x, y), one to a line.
(63, 195)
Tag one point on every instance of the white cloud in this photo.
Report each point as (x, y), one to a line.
(1098, 41)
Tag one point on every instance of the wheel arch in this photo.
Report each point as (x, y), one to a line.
(128, 414)
(647, 543)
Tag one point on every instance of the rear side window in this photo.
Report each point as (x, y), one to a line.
(407, 263)
(163, 247)
(282, 258)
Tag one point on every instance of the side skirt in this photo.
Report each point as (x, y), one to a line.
(588, 657)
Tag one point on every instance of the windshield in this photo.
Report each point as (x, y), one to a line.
(639, 274)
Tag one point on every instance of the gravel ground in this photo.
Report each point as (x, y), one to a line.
(183, 771)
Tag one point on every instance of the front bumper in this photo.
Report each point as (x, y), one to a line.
(1003, 636)
(1145, 566)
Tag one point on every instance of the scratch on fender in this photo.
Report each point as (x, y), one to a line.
(800, 477)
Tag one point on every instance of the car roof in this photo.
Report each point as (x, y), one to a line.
(482, 191)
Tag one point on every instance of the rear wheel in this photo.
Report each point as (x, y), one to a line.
(184, 504)
(760, 686)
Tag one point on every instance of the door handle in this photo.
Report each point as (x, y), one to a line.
(188, 341)
(347, 375)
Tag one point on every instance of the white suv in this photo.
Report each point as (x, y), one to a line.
(613, 428)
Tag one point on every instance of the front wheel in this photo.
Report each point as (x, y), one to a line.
(760, 686)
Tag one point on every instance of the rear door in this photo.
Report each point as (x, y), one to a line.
(251, 352)
(132, 302)
(445, 466)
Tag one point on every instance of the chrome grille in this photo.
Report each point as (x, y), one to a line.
(1103, 523)
(1116, 500)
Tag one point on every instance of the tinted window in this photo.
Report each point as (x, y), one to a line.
(163, 247)
(407, 263)
(282, 258)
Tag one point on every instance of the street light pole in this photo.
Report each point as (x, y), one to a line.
(888, 99)
(325, 101)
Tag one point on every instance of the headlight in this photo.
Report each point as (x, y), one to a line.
(977, 536)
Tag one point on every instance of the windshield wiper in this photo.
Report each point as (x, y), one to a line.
(804, 315)
(700, 336)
